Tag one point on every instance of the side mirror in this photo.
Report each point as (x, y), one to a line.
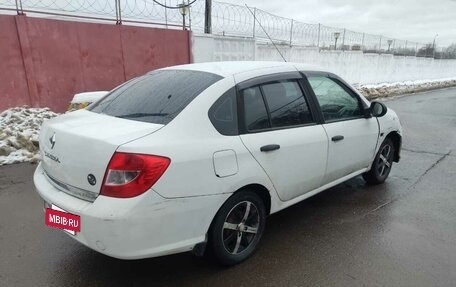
(378, 109)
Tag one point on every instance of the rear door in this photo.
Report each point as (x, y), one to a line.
(352, 136)
(280, 130)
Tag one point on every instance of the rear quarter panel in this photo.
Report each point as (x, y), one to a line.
(190, 141)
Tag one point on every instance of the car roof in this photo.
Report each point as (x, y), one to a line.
(231, 68)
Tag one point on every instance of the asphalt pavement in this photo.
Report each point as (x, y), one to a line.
(401, 233)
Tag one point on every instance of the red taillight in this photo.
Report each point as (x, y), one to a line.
(130, 174)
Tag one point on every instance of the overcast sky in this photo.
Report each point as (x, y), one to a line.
(413, 20)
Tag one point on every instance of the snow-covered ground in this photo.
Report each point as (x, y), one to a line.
(387, 90)
(19, 127)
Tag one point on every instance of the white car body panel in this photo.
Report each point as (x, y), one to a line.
(206, 167)
(191, 150)
(277, 206)
(225, 163)
(303, 151)
(68, 161)
(143, 226)
(355, 151)
(389, 123)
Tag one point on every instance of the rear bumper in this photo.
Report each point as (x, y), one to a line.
(145, 226)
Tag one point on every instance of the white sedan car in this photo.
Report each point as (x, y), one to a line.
(195, 157)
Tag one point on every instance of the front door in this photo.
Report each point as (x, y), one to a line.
(352, 136)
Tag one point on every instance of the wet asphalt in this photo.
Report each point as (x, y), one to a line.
(401, 233)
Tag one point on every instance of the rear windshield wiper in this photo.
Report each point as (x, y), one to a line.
(141, 115)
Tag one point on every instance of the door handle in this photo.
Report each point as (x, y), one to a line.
(337, 138)
(269, 147)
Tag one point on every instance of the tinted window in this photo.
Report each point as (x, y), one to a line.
(256, 117)
(157, 97)
(335, 102)
(287, 106)
(223, 114)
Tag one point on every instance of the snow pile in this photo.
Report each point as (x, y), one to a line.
(19, 130)
(393, 89)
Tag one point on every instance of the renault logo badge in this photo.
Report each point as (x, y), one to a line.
(52, 141)
(91, 179)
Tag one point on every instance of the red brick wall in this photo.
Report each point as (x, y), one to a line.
(45, 62)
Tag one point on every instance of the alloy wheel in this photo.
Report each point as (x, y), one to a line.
(385, 160)
(240, 227)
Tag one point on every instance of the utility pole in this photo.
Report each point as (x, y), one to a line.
(208, 17)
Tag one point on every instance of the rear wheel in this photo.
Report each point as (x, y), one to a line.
(237, 228)
(382, 164)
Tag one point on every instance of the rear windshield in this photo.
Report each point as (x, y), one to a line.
(157, 97)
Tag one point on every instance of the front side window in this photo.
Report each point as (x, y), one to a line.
(157, 97)
(287, 105)
(335, 102)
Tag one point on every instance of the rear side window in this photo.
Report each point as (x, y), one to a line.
(276, 104)
(157, 97)
(287, 106)
(256, 116)
(223, 114)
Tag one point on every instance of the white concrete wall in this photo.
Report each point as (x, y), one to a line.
(354, 66)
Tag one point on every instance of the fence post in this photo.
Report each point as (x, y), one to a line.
(166, 15)
(19, 9)
(380, 45)
(362, 43)
(189, 18)
(343, 40)
(118, 13)
(318, 40)
(291, 31)
(254, 21)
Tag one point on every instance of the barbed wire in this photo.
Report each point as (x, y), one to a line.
(227, 19)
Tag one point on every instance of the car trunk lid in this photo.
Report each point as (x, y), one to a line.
(77, 147)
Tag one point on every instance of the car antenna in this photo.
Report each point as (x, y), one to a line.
(264, 30)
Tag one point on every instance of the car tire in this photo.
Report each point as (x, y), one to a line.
(382, 164)
(237, 228)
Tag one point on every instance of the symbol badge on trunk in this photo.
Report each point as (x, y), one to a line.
(52, 141)
(91, 179)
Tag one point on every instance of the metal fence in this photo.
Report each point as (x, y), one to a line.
(227, 19)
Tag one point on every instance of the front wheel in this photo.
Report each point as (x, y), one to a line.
(237, 228)
(382, 164)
